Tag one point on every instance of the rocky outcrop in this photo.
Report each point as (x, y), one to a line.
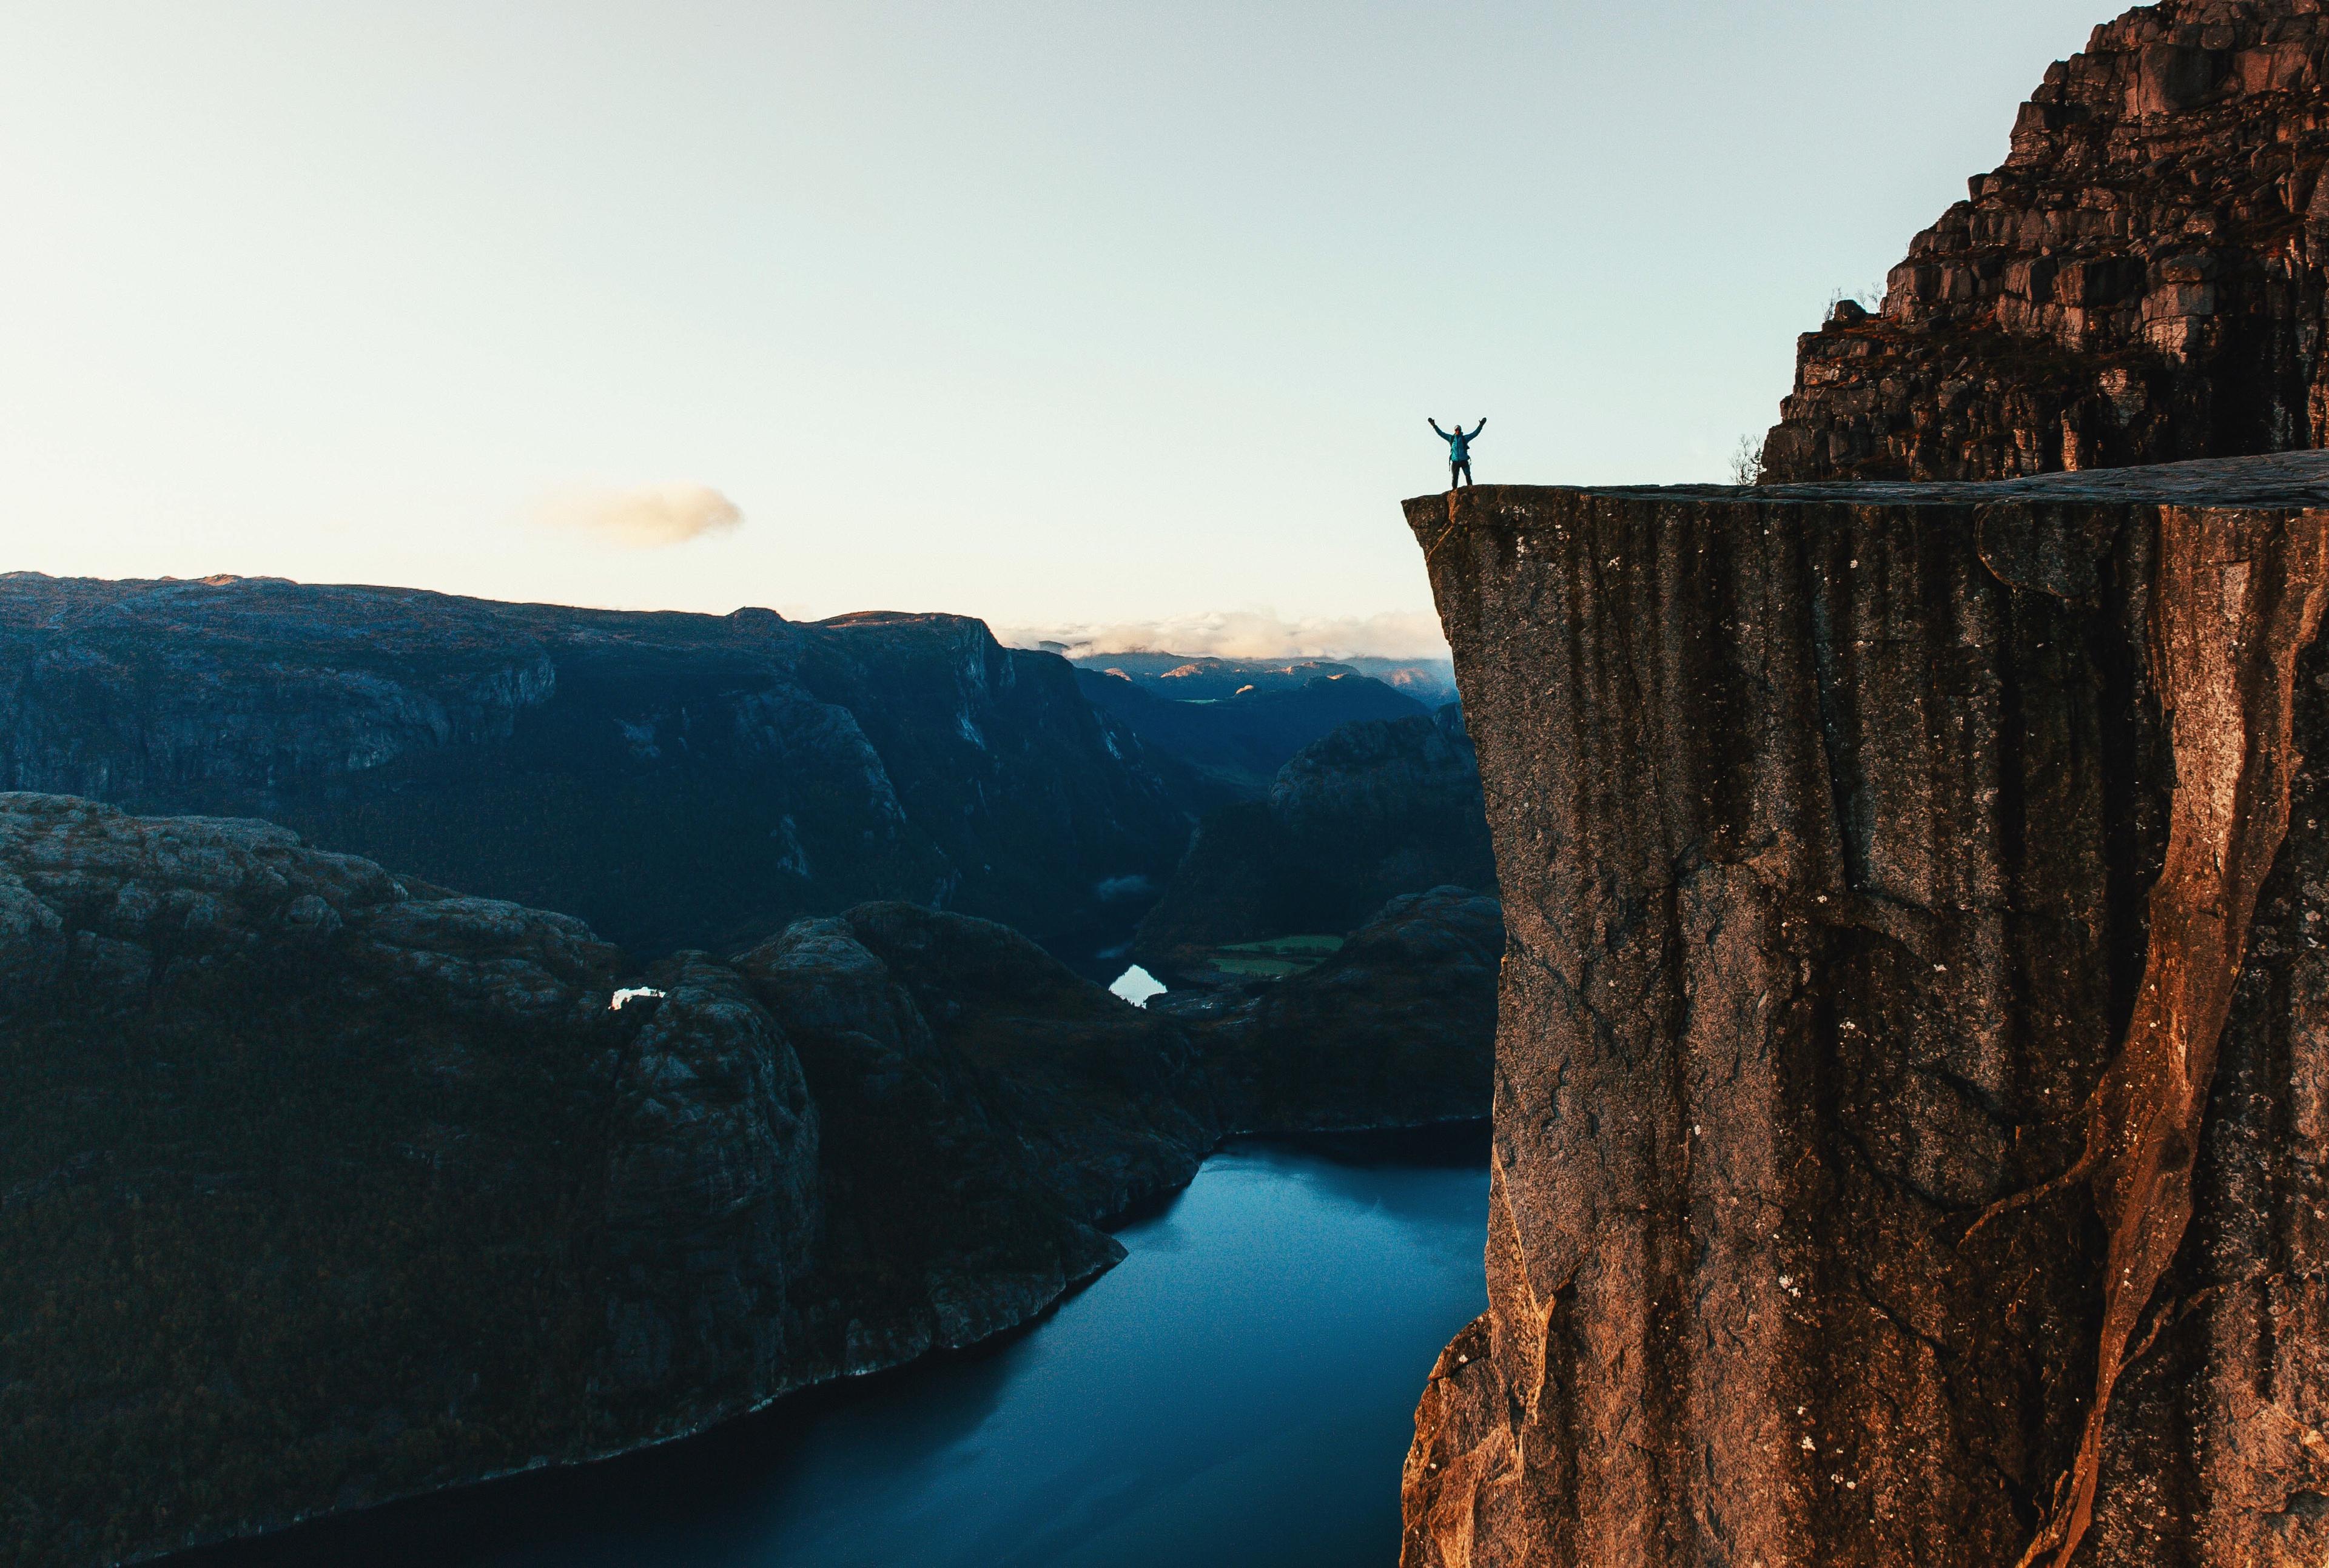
(675, 780)
(322, 1186)
(1375, 809)
(1111, 1100)
(2142, 281)
(947, 1220)
(1103, 1106)
(1910, 1035)
(713, 1207)
(352, 1187)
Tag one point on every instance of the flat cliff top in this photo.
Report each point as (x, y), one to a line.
(2269, 480)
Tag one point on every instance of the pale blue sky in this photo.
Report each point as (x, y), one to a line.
(1045, 313)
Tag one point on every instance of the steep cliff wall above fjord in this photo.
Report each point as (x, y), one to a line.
(2143, 281)
(1914, 1033)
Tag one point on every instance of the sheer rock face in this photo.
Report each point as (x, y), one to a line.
(942, 1227)
(2142, 281)
(1849, 838)
(713, 1200)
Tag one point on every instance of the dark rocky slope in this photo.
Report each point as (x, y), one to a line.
(1398, 1029)
(675, 780)
(2142, 281)
(321, 1186)
(1911, 1046)
(1375, 809)
(316, 1187)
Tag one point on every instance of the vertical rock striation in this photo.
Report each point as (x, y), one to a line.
(1910, 1056)
(2142, 281)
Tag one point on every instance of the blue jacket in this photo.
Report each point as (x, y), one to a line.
(1459, 444)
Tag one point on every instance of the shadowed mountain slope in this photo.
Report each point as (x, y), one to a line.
(1206, 677)
(1232, 748)
(321, 1186)
(1376, 809)
(672, 779)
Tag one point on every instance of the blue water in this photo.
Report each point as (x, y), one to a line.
(1239, 1391)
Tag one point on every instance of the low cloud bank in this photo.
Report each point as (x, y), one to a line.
(1250, 634)
(650, 517)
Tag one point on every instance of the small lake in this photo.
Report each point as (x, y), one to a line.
(1239, 1391)
(1137, 986)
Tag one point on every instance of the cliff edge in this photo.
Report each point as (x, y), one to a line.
(1914, 1032)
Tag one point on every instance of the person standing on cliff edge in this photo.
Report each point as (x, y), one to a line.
(1459, 449)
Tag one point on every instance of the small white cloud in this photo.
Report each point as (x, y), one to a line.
(650, 517)
(1250, 634)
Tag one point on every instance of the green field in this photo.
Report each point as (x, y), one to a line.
(1276, 958)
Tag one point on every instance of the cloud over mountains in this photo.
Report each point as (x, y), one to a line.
(1249, 634)
(647, 517)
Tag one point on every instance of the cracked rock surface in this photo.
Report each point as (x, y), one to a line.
(1831, 824)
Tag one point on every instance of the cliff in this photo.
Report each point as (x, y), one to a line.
(674, 779)
(1910, 1059)
(321, 1184)
(2142, 281)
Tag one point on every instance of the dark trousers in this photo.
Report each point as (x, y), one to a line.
(1464, 468)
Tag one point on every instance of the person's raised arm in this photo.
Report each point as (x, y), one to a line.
(1436, 430)
(1475, 429)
